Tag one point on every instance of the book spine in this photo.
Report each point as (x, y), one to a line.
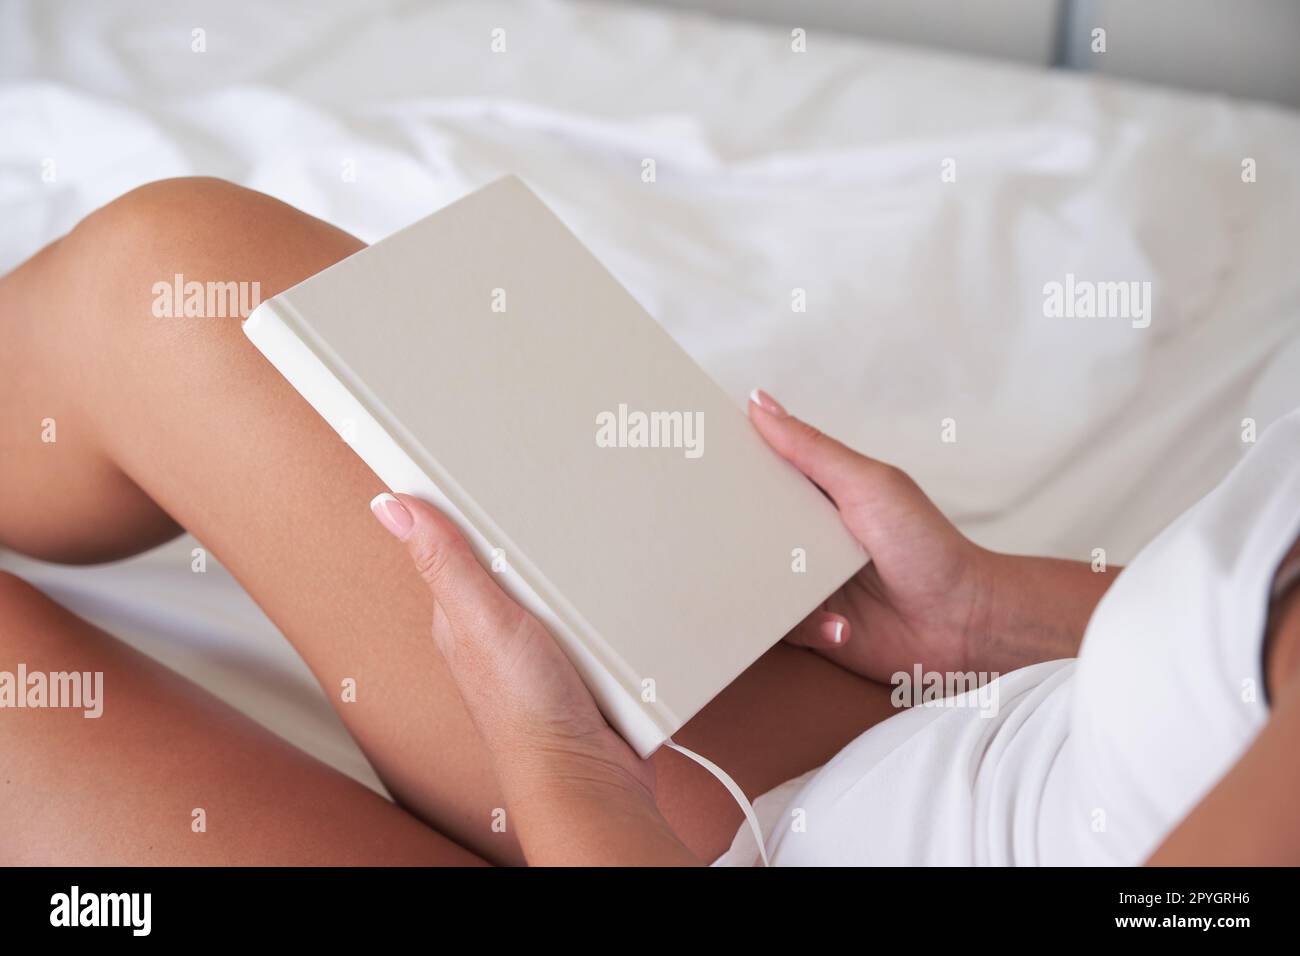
(404, 466)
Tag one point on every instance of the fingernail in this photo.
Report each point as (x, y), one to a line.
(833, 631)
(767, 403)
(392, 514)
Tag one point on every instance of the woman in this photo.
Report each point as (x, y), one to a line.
(490, 744)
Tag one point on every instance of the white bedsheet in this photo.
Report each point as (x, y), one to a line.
(775, 171)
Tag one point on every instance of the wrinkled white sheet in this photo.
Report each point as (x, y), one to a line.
(775, 171)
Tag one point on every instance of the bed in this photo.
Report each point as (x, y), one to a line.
(864, 230)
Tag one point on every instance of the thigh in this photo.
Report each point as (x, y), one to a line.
(192, 415)
(167, 774)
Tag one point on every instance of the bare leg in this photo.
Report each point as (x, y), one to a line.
(163, 420)
(122, 788)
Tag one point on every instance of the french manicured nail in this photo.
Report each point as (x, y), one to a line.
(833, 631)
(767, 403)
(392, 514)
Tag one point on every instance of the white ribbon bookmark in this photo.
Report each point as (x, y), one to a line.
(736, 793)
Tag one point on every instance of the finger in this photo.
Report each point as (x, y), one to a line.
(473, 603)
(820, 630)
(839, 470)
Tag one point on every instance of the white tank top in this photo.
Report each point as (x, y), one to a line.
(1091, 761)
(1169, 688)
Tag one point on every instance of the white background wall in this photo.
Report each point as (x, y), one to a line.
(1013, 29)
(1246, 48)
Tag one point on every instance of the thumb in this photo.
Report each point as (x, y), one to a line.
(846, 476)
(473, 603)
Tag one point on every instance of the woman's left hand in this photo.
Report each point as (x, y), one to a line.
(555, 756)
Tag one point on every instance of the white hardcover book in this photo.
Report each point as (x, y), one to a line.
(483, 360)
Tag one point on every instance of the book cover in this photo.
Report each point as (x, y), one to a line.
(484, 360)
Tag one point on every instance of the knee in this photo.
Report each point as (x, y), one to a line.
(208, 232)
(171, 208)
(170, 217)
(216, 246)
(138, 253)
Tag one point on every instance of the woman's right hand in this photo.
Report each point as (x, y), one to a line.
(929, 596)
